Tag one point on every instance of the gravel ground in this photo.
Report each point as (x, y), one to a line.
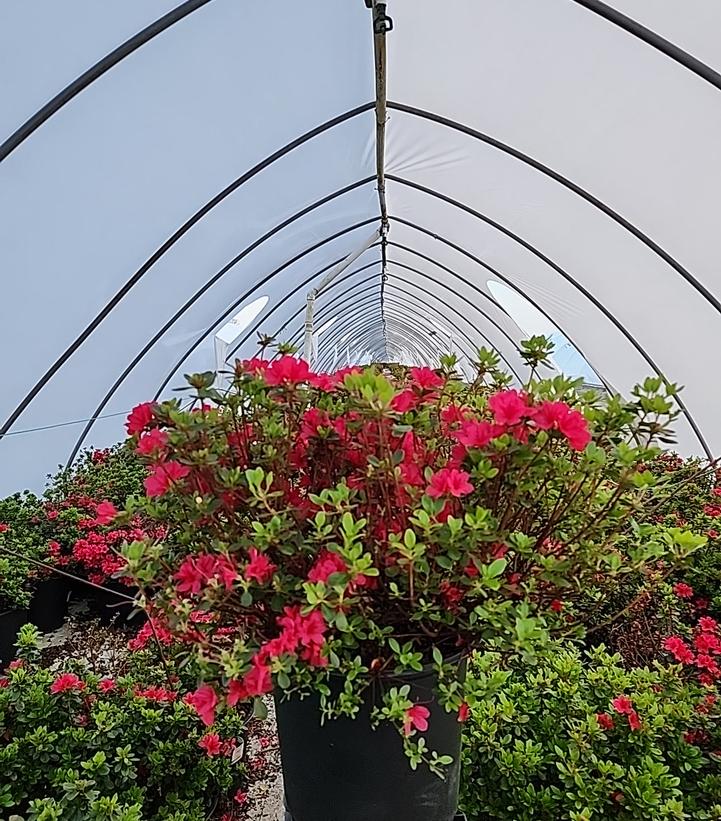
(104, 647)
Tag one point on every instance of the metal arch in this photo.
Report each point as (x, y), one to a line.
(84, 80)
(572, 186)
(507, 232)
(367, 334)
(650, 37)
(397, 306)
(372, 328)
(398, 303)
(492, 271)
(290, 294)
(440, 314)
(372, 336)
(457, 276)
(462, 297)
(429, 293)
(347, 324)
(202, 290)
(278, 270)
(399, 331)
(324, 293)
(137, 276)
(270, 276)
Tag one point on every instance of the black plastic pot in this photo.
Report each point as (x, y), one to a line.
(10, 623)
(112, 604)
(346, 771)
(49, 604)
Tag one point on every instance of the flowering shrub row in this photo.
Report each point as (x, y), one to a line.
(80, 746)
(585, 739)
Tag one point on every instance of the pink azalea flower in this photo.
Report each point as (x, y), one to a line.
(152, 442)
(163, 476)
(211, 744)
(204, 701)
(139, 419)
(449, 482)
(105, 512)
(67, 682)
(508, 407)
(287, 371)
(259, 568)
(416, 718)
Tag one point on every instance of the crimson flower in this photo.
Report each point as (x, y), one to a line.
(707, 643)
(163, 475)
(4, 682)
(605, 721)
(463, 711)
(204, 701)
(683, 590)
(236, 692)
(404, 401)
(416, 718)
(707, 624)
(622, 705)
(475, 434)
(259, 568)
(325, 566)
(66, 682)
(508, 407)
(453, 414)
(680, 650)
(240, 797)
(139, 419)
(4, 527)
(105, 685)
(634, 722)
(426, 379)
(211, 744)
(105, 512)
(152, 442)
(556, 605)
(559, 416)
(287, 371)
(258, 682)
(449, 482)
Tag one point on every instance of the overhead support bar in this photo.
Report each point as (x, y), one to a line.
(382, 24)
(324, 283)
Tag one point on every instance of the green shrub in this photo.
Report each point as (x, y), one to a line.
(547, 742)
(23, 531)
(79, 747)
(111, 473)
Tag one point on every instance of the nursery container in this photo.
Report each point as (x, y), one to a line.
(344, 770)
(112, 604)
(10, 623)
(49, 604)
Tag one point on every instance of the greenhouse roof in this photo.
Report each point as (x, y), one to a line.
(164, 164)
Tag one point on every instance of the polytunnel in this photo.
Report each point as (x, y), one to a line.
(164, 165)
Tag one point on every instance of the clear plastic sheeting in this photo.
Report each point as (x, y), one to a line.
(165, 164)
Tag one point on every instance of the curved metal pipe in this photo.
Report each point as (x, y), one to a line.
(164, 248)
(84, 80)
(576, 189)
(566, 276)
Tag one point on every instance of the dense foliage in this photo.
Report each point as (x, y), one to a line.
(24, 535)
(346, 525)
(580, 737)
(77, 747)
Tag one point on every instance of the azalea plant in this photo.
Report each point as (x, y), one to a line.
(79, 745)
(326, 532)
(582, 737)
